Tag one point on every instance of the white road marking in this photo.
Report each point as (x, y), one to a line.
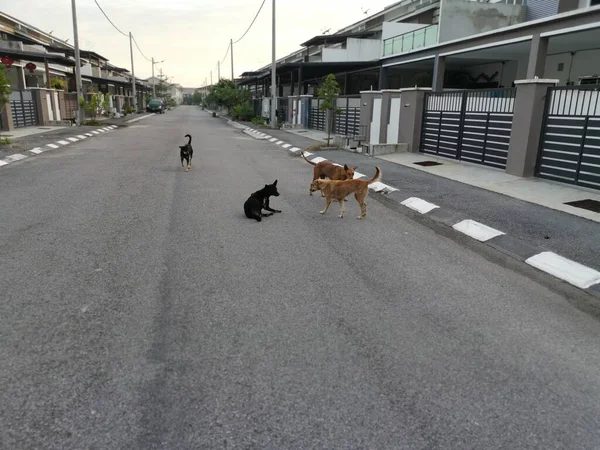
(272, 139)
(101, 130)
(52, 145)
(378, 186)
(359, 175)
(95, 132)
(307, 154)
(81, 136)
(72, 139)
(295, 149)
(63, 142)
(419, 205)
(36, 151)
(139, 118)
(2, 163)
(279, 142)
(477, 230)
(15, 157)
(286, 145)
(318, 159)
(89, 134)
(570, 271)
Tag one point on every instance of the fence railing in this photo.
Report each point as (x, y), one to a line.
(422, 37)
(578, 101)
(480, 100)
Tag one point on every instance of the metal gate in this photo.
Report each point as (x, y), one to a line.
(570, 141)
(23, 108)
(472, 125)
(347, 119)
(316, 117)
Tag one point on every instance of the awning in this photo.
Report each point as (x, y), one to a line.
(36, 57)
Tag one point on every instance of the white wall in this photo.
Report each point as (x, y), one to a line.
(356, 50)
(584, 63)
(86, 70)
(392, 29)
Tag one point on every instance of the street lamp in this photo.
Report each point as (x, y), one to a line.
(153, 80)
(273, 79)
(77, 63)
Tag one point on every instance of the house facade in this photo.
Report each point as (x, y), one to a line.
(40, 69)
(511, 84)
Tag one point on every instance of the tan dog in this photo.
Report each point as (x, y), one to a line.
(330, 170)
(339, 190)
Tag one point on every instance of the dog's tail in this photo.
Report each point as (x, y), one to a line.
(377, 176)
(190, 139)
(310, 162)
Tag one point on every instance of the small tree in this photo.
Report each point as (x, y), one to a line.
(197, 98)
(227, 95)
(106, 104)
(58, 84)
(328, 92)
(5, 90)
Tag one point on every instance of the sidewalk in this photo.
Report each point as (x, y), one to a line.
(25, 139)
(498, 205)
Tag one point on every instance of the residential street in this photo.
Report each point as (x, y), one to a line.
(140, 309)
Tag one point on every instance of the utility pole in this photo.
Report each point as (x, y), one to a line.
(211, 78)
(79, 117)
(132, 72)
(153, 86)
(273, 78)
(231, 48)
(218, 71)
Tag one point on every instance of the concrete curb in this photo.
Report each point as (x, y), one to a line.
(57, 144)
(581, 277)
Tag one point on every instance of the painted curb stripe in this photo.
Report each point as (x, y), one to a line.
(63, 142)
(15, 157)
(82, 137)
(477, 230)
(72, 139)
(3, 163)
(36, 151)
(419, 205)
(52, 145)
(570, 271)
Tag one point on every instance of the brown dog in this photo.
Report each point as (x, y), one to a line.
(339, 190)
(330, 170)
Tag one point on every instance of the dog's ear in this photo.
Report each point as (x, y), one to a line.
(275, 183)
(345, 167)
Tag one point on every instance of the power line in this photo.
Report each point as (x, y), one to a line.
(253, 20)
(107, 18)
(226, 53)
(140, 50)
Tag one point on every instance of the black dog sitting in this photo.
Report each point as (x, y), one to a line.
(186, 152)
(259, 201)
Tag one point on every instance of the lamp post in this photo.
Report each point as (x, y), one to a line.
(273, 78)
(153, 79)
(77, 63)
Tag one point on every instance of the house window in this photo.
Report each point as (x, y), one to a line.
(594, 2)
(561, 67)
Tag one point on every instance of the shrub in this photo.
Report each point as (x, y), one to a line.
(242, 112)
(257, 120)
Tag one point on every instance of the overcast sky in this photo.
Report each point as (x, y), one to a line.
(191, 35)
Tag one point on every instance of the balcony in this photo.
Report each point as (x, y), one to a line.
(413, 40)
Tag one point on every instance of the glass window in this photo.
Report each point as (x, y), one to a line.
(387, 47)
(407, 42)
(431, 35)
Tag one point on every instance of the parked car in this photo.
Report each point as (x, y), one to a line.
(155, 106)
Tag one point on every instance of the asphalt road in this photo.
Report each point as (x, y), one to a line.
(140, 309)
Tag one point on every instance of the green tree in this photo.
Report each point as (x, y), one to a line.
(226, 94)
(328, 92)
(197, 98)
(5, 89)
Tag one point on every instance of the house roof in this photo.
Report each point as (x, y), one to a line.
(71, 52)
(37, 57)
(336, 38)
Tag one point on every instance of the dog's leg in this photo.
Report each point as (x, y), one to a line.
(327, 203)
(363, 206)
(268, 208)
(341, 208)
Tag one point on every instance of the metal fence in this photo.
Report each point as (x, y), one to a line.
(470, 125)
(570, 142)
(346, 119)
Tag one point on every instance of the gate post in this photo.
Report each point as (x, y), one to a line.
(528, 118)
(367, 99)
(6, 120)
(304, 104)
(411, 117)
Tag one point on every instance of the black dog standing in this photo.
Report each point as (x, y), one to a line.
(259, 201)
(186, 152)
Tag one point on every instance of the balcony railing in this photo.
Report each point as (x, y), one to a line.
(423, 37)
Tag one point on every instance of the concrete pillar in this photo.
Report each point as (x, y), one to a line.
(7, 120)
(411, 117)
(537, 57)
(367, 101)
(62, 105)
(527, 126)
(21, 84)
(292, 82)
(439, 70)
(390, 116)
(383, 78)
(293, 110)
(304, 110)
(40, 98)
